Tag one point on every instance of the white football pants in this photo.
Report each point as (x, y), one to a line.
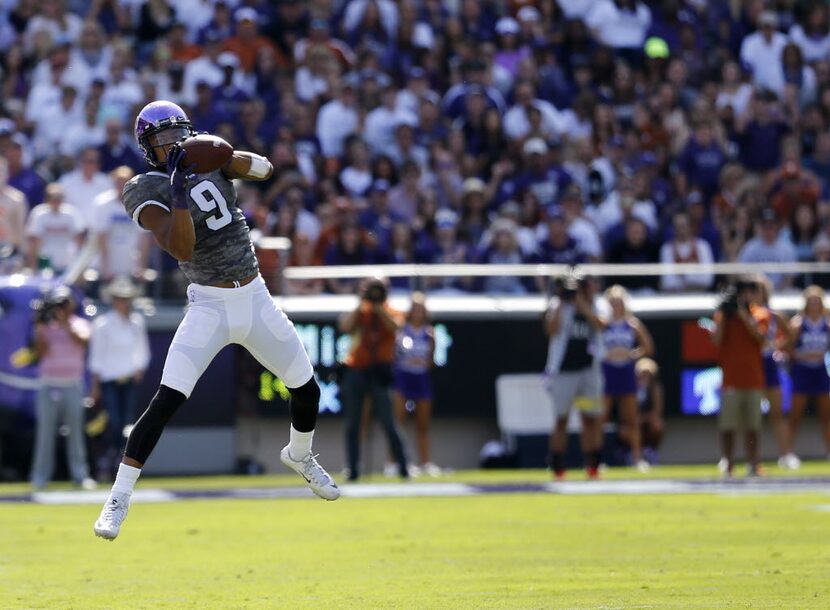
(247, 316)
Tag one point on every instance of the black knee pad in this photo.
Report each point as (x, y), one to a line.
(147, 430)
(305, 403)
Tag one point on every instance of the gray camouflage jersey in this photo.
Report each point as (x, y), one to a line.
(223, 251)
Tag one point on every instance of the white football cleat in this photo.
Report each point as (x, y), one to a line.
(112, 516)
(319, 481)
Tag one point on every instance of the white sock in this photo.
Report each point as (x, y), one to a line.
(125, 479)
(300, 444)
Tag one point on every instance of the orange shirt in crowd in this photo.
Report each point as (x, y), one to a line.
(373, 342)
(247, 51)
(740, 353)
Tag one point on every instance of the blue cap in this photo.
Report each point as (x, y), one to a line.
(379, 186)
(554, 212)
(446, 219)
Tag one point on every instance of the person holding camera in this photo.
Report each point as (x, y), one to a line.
(368, 371)
(740, 332)
(60, 344)
(573, 370)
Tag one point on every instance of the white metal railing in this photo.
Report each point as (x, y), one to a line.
(547, 270)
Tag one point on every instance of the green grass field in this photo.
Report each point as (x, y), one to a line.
(488, 551)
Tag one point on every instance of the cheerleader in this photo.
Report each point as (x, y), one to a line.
(809, 372)
(777, 337)
(624, 341)
(415, 346)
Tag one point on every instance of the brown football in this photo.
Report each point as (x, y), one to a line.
(206, 151)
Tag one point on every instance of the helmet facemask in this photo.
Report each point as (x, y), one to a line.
(160, 137)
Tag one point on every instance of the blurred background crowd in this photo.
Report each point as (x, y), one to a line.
(433, 131)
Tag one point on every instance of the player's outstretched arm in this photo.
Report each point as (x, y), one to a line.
(173, 231)
(248, 166)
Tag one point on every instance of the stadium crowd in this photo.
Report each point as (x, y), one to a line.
(434, 131)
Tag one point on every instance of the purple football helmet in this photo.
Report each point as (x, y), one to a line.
(163, 122)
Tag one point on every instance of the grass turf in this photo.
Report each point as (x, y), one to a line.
(491, 551)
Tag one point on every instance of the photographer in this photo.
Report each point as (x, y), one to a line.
(573, 369)
(60, 343)
(368, 370)
(740, 327)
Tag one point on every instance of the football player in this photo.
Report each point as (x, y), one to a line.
(195, 218)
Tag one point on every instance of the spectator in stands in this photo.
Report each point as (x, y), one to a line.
(619, 24)
(793, 187)
(348, 250)
(337, 119)
(502, 249)
(474, 206)
(13, 211)
(624, 340)
(558, 247)
(761, 51)
(650, 400)
(760, 132)
(117, 148)
(123, 246)
(572, 370)
(77, 136)
(82, 185)
(810, 338)
(635, 247)
(54, 230)
(739, 333)
(247, 41)
(119, 352)
(60, 343)
(20, 175)
(579, 224)
(445, 248)
(368, 371)
(403, 198)
(767, 248)
(701, 161)
(414, 356)
(302, 255)
(812, 33)
(685, 248)
(53, 120)
(802, 231)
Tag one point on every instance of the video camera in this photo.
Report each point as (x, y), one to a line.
(567, 286)
(730, 298)
(375, 291)
(45, 308)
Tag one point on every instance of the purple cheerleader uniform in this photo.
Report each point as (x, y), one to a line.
(413, 350)
(810, 378)
(771, 376)
(620, 377)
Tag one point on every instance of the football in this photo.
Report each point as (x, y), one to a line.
(206, 151)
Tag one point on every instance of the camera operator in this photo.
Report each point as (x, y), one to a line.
(368, 370)
(739, 331)
(573, 369)
(60, 344)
